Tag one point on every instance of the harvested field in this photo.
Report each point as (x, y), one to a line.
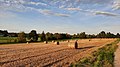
(52, 55)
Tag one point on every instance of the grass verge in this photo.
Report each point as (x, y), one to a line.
(103, 57)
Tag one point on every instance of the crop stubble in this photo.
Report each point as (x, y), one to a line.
(40, 54)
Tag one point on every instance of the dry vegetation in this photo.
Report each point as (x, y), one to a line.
(41, 54)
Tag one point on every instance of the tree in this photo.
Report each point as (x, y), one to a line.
(102, 34)
(118, 35)
(91, 36)
(74, 36)
(49, 36)
(82, 35)
(21, 37)
(5, 33)
(33, 35)
(110, 35)
(57, 36)
(42, 36)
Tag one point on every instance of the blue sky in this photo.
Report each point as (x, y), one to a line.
(63, 16)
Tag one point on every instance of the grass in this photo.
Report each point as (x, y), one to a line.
(103, 57)
(5, 40)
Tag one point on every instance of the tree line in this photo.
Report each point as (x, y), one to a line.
(33, 36)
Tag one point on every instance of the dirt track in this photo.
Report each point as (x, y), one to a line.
(40, 54)
(117, 57)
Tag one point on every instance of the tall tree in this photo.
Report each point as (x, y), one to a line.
(102, 34)
(21, 37)
(82, 35)
(118, 35)
(43, 37)
(57, 36)
(110, 35)
(33, 35)
(49, 36)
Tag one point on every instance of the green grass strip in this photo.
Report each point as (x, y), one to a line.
(103, 57)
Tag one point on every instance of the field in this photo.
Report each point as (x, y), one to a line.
(43, 55)
(8, 39)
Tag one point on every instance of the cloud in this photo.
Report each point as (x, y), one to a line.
(93, 12)
(46, 12)
(105, 13)
(100, 12)
(70, 5)
(16, 5)
(38, 3)
(96, 1)
(62, 15)
(20, 5)
(116, 5)
(49, 12)
(73, 9)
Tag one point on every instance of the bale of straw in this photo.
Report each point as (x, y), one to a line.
(57, 43)
(46, 42)
(89, 39)
(53, 41)
(76, 45)
(73, 45)
(27, 42)
(68, 41)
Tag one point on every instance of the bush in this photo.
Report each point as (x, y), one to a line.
(21, 37)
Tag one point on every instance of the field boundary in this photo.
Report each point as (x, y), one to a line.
(103, 57)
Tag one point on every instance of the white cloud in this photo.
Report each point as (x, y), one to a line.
(19, 5)
(46, 12)
(38, 3)
(49, 12)
(105, 13)
(116, 5)
(62, 15)
(73, 9)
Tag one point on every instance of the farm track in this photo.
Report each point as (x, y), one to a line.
(45, 55)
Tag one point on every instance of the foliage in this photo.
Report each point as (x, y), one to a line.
(82, 35)
(42, 36)
(8, 40)
(21, 37)
(102, 34)
(33, 35)
(103, 57)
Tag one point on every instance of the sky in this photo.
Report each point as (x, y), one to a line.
(62, 16)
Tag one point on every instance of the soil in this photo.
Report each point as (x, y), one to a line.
(117, 57)
(48, 55)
